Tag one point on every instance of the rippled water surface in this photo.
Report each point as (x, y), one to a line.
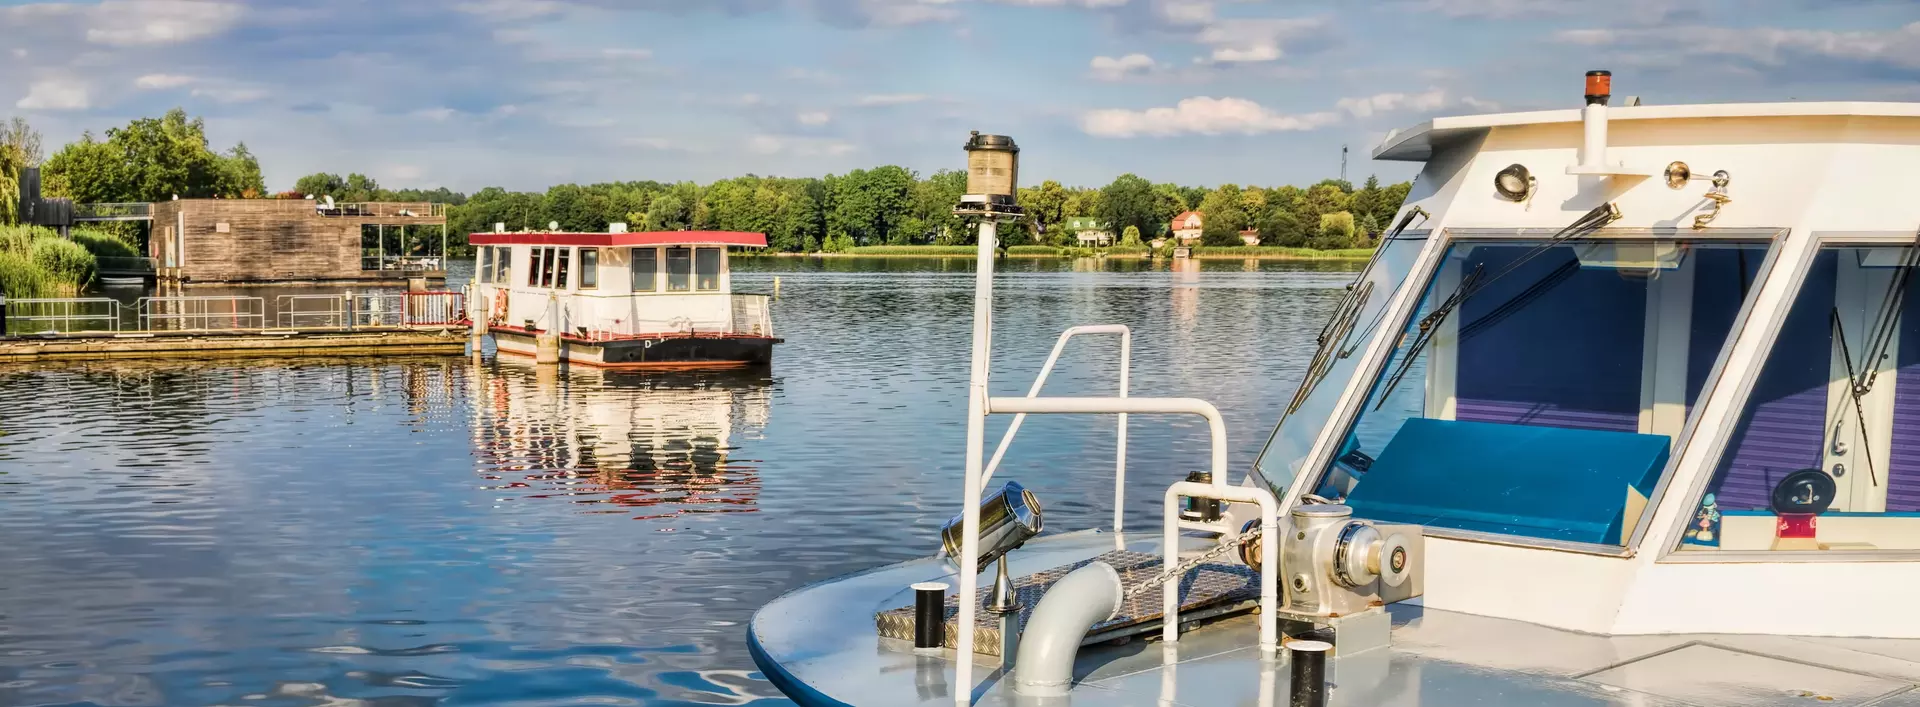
(427, 530)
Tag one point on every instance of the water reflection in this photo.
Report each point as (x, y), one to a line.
(659, 442)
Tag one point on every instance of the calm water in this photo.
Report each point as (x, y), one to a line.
(419, 531)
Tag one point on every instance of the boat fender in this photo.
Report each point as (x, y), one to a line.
(499, 307)
(1043, 664)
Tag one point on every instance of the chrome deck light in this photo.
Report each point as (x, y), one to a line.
(1514, 183)
(1007, 520)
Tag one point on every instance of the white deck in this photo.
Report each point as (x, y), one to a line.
(823, 637)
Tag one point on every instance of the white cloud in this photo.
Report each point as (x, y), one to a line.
(892, 99)
(1202, 115)
(125, 23)
(510, 10)
(768, 145)
(1366, 106)
(627, 54)
(1108, 68)
(1255, 40)
(1898, 47)
(230, 93)
(55, 95)
(438, 115)
(155, 82)
(1184, 12)
(817, 117)
(1220, 116)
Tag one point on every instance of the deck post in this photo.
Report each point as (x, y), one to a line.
(976, 448)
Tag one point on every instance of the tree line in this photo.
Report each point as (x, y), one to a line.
(155, 159)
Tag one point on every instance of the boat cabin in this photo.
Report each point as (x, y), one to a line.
(601, 289)
(1624, 410)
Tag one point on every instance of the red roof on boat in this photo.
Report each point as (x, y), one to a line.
(610, 240)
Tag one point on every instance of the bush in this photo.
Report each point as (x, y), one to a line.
(105, 245)
(65, 260)
(20, 277)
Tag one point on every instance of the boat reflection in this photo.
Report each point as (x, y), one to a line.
(659, 442)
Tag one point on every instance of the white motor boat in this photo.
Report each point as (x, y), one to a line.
(1625, 410)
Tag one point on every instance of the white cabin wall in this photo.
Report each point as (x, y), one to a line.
(1772, 162)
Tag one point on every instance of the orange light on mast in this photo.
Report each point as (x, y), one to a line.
(1599, 86)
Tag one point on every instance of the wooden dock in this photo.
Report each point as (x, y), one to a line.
(232, 344)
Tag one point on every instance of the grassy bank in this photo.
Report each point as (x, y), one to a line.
(36, 262)
(1046, 251)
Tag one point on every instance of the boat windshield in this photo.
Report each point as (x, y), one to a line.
(1826, 453)
(1356, 321)
(1541, 385)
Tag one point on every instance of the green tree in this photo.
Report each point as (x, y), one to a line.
(669, 213)
(19, 149)
(151, 159)
(1131, 236)
(1280, 227)
(1129, 201)
(1222, 216)
(321, 184)
(1336, 231)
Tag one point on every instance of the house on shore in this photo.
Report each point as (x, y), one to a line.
(1089, 231)
(1250, 237)
(1186, 227)
(282, 241)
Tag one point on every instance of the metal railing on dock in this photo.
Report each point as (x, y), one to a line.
(62, 315)
(203, 313)
(349, 310)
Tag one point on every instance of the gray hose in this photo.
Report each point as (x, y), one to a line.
(1043, 665)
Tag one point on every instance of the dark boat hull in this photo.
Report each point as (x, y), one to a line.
(661, 352)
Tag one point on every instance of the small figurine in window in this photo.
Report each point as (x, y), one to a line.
(1705, 529)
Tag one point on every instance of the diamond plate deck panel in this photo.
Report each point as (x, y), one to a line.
(1208, 585)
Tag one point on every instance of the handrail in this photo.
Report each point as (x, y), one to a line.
(1120, 462)
(1269, 555)
(1216, 425)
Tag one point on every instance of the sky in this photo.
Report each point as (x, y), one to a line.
(529, 93)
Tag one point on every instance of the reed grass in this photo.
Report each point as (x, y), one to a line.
(36, 262)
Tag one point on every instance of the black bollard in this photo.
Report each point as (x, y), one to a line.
(929, 614)
(1309, 681)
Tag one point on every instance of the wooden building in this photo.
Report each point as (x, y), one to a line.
(296, 241)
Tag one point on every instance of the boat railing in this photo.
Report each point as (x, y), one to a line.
(436, 308)
(201, 313)
(61, 315)
(752, 315)
(1120, 456)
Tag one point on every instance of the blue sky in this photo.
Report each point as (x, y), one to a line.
(527, 93)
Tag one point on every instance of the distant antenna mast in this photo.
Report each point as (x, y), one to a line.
(1343, 163)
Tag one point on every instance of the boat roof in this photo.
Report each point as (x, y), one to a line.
(612, 240)
(1416, 144)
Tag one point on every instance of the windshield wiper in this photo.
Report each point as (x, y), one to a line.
(1340, 325)
(1473, 283)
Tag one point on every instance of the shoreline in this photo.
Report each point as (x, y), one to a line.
(1351, 256)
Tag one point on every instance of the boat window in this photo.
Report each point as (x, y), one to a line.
(646, 269)
(537, 263)
(484, 264)
(589, 268)
(1354, 323)
(502, 259)
(1826, 452)
(1540, 387)
(679, 269)
(706, 269)
(560, 272)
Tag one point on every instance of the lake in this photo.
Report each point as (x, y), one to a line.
(432, 531)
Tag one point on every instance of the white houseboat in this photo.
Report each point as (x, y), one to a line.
(1625, 410)
(622, 300)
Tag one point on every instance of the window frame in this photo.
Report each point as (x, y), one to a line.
(503, 263)
(484, 265)
(535, 263)
(1406, 305)
(654, 279)
(1748, 378)
(667, 257)
(719, 269)
(589, 272)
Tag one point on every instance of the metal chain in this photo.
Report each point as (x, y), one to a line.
(1184, 567)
